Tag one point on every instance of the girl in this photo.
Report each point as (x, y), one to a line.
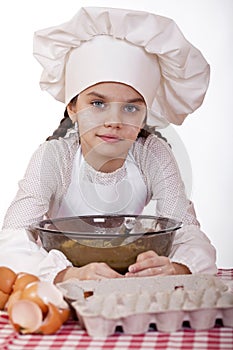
(119, 72)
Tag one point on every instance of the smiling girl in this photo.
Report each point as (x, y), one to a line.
(119, 72)
(109, 116)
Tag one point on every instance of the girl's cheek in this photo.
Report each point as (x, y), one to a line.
(87, 125)
(132, 133)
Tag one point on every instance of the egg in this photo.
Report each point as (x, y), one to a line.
(64, 314)
(14, 296)
(30, 292)
(23, 279)
(7, 279)
(25, 316)
(50, 300)
(52, 322)
(3, 300)
(33, 306)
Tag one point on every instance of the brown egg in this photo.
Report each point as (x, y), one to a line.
(25, 316)
(14, 296)
(52, 322)
(46, 297)
(64, 314)
(23, 279)
(7, 279)
(30, 292)
(3, 300)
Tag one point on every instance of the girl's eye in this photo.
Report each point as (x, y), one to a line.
(131, 108)
(98, 104)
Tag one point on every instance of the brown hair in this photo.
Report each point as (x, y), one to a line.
(65, 124)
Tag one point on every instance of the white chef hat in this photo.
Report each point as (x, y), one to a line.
(143, 50)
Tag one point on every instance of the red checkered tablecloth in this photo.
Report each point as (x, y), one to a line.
(225, 274)
(72, 337)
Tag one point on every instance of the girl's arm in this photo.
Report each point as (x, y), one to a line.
(192, 250)
(40, 189)
(39, 193)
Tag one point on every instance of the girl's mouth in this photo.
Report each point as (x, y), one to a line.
(109, 138)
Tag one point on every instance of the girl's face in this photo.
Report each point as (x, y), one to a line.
(109, 116)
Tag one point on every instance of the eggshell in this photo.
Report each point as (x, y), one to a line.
(25, 316)
(23, 279)
(12, 299)
(64, 314)
(49, 293)
(30, 292)
(52, 321)
(7, 279)
(3, 300)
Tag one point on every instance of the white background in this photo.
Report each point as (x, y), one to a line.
(28, 115)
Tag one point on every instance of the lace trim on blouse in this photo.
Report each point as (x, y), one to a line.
(92, 175)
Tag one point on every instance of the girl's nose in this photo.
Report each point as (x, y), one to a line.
(113, 116)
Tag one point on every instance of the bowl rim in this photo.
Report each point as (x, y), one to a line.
(40, 226)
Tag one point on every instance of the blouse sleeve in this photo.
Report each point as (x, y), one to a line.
(42, 182)
(41, 188)
(191, 246)
(20, 252)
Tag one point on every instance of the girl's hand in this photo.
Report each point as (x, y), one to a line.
(92, 271)
(151, 264)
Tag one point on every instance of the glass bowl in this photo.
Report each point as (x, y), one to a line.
(116, 240)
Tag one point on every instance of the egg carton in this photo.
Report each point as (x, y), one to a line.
(136, 303)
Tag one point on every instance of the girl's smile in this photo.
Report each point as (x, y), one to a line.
(110, 138)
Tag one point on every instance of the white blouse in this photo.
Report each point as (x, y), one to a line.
(45, 188)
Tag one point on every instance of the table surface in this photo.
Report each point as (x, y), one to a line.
(72, 337)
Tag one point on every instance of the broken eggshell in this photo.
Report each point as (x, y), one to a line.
(33, 306)
(23, 279)
(38, 308)
(25, 316)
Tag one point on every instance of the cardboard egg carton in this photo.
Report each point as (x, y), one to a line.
(136, 303)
